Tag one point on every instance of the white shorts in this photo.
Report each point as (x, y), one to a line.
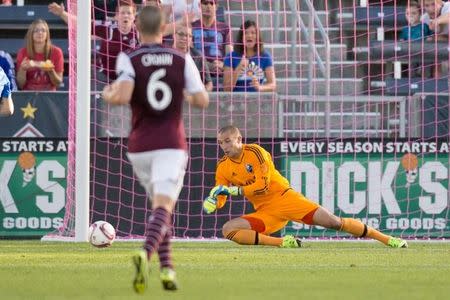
(160, 172)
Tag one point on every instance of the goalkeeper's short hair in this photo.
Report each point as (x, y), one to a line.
(230, 128)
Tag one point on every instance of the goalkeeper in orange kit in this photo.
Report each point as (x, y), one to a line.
(248, 170)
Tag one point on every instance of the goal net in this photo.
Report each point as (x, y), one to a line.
(358, 121)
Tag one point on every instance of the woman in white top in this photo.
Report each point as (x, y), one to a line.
(177, 9)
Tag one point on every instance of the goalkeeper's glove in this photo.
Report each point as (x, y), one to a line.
(225, 190)
(209, 205)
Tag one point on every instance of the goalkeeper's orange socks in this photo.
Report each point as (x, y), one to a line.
(251, 237)
(359, 229)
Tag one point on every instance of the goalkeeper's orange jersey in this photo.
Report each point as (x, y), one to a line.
(255, 172)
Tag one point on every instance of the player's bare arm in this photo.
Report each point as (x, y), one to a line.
(200, 99)
(119, 92)
(195, 90)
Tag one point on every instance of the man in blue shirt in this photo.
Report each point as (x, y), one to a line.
(211, 37)
(6, 104)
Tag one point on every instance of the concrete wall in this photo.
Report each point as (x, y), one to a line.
(256, 114)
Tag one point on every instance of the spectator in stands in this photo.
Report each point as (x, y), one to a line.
(6, 3)
(437, 13)
(114, 38)
(6, 103)
(249, 68)
(183, 42)
(40, 65)
(106, 9)
(415, 30)
(176, 12)
(152, 3)
(178, 9)
(211, 38)
(7, 64)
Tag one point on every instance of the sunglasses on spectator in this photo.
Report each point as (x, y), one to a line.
(208, 3)
(39, 30)
(184, 35)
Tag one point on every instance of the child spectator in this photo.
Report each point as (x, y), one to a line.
(40, 65)
(249, 67)
(415, 30)
(437, 13)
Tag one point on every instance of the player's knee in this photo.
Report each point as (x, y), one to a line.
(227, 229)
(163, 201)
(326, 219)
(334, 222)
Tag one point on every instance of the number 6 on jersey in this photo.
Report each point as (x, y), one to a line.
(154, 85)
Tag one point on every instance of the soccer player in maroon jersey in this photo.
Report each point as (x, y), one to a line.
(152, 79)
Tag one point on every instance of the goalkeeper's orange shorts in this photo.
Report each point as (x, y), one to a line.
(291, 206)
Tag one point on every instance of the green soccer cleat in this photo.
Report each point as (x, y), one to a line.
(140, 281)
(290, 241)
(397, 243)
(168, 279)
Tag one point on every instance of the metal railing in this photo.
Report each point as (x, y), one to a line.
(367, 116)
(309, 34)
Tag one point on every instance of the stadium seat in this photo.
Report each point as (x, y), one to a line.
(410, 86)
(404, 51)
(376, 16)
(18, 17)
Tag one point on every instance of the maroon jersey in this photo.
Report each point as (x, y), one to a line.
(160, 74)
(111, 44)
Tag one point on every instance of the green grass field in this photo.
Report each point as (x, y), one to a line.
(35, 270)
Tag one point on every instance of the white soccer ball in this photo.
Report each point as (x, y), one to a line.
(101, 234)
